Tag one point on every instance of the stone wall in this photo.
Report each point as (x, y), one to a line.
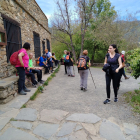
(31, 18)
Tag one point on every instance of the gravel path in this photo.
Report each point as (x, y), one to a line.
(63, 93)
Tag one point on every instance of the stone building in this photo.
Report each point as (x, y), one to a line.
(23, 21)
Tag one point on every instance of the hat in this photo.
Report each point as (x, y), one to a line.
(123, 52)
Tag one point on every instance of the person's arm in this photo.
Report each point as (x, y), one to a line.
(105, 62)
(20, 58)
(120, 64)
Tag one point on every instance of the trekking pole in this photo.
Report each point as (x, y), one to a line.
(92, 78)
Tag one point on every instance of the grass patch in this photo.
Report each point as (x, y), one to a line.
(133, 98)
(40, 88)
(12, 119)
(23, 106)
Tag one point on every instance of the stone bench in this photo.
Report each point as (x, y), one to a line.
(9, 87)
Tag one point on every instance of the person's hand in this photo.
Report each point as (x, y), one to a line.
(22, 64)
(117, 70)
(28, 69)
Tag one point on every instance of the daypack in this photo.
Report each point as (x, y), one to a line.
(67, 59)
(38, 60)
(14, 58)
(82, 65)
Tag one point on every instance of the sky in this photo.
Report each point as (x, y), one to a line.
(132, 6)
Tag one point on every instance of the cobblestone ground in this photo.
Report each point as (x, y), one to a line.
(64, 112)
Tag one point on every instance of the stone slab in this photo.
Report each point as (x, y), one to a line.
(85, 118)
(97, 138)
(78, 127)
(90, 128)
(130, 129)
(12, 113)
(66, 138)
(79, 135)
(27, 114)
(111, 131)
(66, 129)
(46, 130)
(1, 112)
(16, 134)
(4, 121)
(52, 116)
(20, 124)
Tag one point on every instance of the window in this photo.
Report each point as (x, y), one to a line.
(48, 45)
(37, 45)
(13, 32)
(43, 47)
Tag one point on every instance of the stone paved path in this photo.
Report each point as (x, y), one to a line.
(64, 112)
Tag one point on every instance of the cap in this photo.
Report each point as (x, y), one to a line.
(123, 52)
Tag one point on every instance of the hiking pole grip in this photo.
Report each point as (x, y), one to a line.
(92, 78)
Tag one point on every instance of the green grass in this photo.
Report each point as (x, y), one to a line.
(40, 88)
(133, 98)
(12, 119)
(23, 106)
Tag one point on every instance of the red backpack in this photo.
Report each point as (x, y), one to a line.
(14, 58)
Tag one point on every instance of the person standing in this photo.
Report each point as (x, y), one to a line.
(37, 70)
(122, 55)
(69, 64)
(22, 64)
(113, 58)
(83, 65)
(63, 58)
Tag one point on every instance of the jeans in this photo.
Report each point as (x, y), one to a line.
(21, 81)
(69, 70)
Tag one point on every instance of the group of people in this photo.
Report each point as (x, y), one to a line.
(25, 67)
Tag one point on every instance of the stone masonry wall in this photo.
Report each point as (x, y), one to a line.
(31, 18)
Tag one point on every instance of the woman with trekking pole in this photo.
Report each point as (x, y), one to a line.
(83, 65)
(112, 65)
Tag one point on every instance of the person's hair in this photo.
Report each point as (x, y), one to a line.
(85, 52)
(44, 55)
(68, 53)
(115, 47)
(65, 51)
(52, 54)
(26, 46)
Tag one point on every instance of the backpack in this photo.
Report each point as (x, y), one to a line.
(38, 60)
(82, 64)
(14, 58)
(67, 59)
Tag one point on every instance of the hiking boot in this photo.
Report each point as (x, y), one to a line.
(81, 88)
(116, 100)
(107, 101)
(84, 89)
(41, 82)
(72, 76)
(26, 90)
(126, 78)
(34, 85)
(22, 92)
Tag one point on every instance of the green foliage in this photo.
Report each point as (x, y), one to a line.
(23, 106)
(133, 98)
(133, 57)
(45, 83)
(12, 119)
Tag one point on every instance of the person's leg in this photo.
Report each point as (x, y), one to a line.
(81, 79)
(21, 81)
(65, 68)
(115, 79)
(38, 74)
(46, 69)
(30, 74)
(71, 70)
(119, 80)
(85, 77)
(68, 71)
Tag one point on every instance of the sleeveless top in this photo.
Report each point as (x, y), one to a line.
(114, 64)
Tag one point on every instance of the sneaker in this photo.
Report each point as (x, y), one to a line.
(81, 88)
(126, 78)
(34, 85)
(116, 100)
(84, 89)
(72, 76)
(68, 75)
(41, 82)
(22, 92)
(26, 90)
(107, 101)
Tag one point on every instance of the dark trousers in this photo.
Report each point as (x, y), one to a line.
(39, 74)
(21, 81)
(65, 68)
(46, 69)
(30, 74)
(115, 78)
(56, 62)
(123, 72)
